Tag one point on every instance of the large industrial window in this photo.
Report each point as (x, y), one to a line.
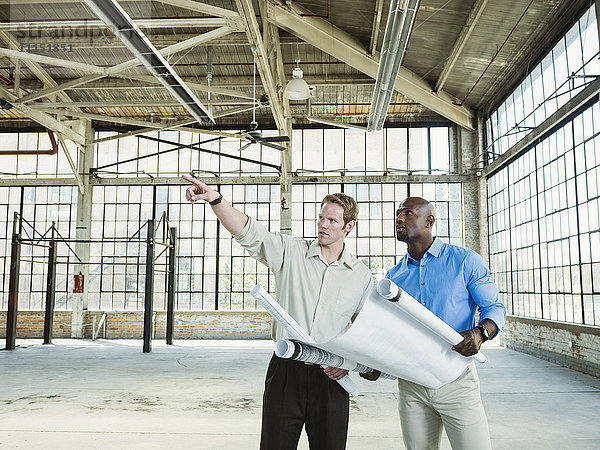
(373, 240)
(544, 226)
(350, 152)
(213, 271)
(40, 207)
(563, 73)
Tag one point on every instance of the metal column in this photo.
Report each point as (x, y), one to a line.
(149, 287)
(13, 284)
(171, 286)
(50, 290)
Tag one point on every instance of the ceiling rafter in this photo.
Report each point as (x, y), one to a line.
(116, 70)
(246, 11)
(43, 119)
(180, 124)
(330, 39)
(375, 27)
(201, 8)
(95, 23)
(460, 43)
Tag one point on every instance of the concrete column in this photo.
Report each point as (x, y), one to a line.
(468, 151)
(285, 219)
(484, 246)
(455, 150)
(79, 302)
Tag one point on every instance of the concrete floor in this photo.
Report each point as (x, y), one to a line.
(207, 395)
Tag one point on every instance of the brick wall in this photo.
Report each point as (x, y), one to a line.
(130, 325)
(569, 345)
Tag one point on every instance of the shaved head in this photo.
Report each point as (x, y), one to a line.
(415, 218)
(421, 204)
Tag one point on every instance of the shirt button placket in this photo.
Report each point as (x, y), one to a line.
(421, 276)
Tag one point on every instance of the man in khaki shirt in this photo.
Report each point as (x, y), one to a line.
(322, 286)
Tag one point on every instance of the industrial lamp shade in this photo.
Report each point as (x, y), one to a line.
(297, 88)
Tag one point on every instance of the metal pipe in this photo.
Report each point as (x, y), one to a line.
(171, 286)
(50, 293)
(149, 287)
(13, 284)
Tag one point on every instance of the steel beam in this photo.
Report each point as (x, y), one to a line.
(333, 41)
(243, 180)
(43, 118)
(133, 104)
(375, 27)
(202, 22)
(201, 8)
(37, 70)
(253, 32)
(42, 59)
(460, 43)
(59, 88)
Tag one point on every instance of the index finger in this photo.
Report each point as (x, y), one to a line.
(192, 180)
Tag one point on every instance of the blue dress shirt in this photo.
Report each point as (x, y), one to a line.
(453, 283)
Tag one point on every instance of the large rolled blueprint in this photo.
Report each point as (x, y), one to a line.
(396, 335)
(301, 351)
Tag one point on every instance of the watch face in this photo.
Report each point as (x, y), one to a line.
(484, 333)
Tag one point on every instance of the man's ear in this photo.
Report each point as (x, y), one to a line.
(349, 226)
(430, 221)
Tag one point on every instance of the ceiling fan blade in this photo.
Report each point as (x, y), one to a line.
(276, 147)
(244, 147)
(276, 139)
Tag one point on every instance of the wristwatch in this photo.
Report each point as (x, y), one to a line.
(484, 332)
(217, 200)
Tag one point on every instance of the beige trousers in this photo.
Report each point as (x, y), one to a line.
(456, 406)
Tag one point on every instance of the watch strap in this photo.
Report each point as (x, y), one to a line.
(217, 200)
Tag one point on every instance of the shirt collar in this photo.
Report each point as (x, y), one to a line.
(434, 249)
(315, 250)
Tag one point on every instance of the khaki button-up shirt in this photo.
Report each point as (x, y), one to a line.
(322, 298)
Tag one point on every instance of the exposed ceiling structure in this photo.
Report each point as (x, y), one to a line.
(59, 60)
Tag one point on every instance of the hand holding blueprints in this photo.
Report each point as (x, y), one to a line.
(301, 351)
(282, 316)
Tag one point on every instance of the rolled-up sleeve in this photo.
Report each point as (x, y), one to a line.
(484, 292)
(266, 247)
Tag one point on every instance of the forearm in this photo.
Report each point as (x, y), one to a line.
(233, 220)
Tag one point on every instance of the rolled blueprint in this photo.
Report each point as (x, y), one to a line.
(390, 291)
(301, 351)
(282, 316)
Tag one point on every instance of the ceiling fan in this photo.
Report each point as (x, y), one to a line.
(253, 135)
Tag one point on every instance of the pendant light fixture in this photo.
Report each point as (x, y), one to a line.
(297, 87)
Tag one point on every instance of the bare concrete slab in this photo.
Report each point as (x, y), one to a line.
(207, 395)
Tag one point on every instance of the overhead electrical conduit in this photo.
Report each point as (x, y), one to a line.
(401, 18)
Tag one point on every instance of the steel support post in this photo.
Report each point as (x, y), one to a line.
(149, 287)
(13, 284)
(50, 291)
(171, 286)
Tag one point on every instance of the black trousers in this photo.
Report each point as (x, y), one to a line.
(298, 394)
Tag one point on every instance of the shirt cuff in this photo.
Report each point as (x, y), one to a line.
(496, 316)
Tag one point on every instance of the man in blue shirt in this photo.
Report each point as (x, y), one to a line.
(453, 283)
